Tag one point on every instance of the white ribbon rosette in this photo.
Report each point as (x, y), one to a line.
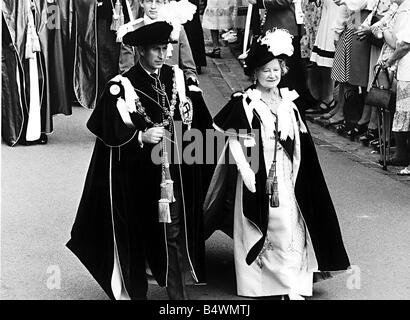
(279, 41)
(177, 13)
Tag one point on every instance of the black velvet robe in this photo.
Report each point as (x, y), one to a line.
(311, 193)
(52, 26)
(195, 36)
(120, 166)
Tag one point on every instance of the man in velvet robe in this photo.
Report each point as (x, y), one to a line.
(52, 29)
(96, 51)
(117, 232)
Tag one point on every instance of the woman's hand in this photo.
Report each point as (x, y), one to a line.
(248, 176)
(153, 135)
(363, 32)
(336, 39)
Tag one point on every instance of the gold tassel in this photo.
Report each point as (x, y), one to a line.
(164, 213)
(36, 43)
(272, 186)
(169, 186)
(167, 180)
(269, 180)
(117, 16)
(29, 44)
(274, 198)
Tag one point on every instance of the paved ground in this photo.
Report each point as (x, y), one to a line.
(42, 185)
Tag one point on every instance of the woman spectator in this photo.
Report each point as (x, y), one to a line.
(323, 53)
(351, 62)
(218, 15)
(383, 10)
(283, 229)
(399, 38)
(312, 11)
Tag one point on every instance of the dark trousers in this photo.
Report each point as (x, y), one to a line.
(176, 283)
(138, 276)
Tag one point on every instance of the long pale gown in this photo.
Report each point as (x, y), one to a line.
(287, 261)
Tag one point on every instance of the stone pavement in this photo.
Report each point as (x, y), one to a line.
(230, 70)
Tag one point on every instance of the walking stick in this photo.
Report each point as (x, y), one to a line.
(247, 29)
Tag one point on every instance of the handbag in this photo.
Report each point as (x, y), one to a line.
(381, 92)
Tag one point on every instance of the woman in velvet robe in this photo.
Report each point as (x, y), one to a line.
(276, 205)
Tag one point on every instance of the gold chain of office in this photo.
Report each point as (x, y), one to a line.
(169, 113)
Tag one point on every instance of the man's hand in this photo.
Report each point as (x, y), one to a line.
(252, 1)
(153, 135)
(363, 32)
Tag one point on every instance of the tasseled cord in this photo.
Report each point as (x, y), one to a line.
(272, 186)
(272, 180)
(167, 189)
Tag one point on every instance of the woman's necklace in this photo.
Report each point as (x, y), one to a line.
(271, 99)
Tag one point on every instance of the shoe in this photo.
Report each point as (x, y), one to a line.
(227, 34)
(325, 116)
(357, 129)
(328, 106)
(42, 140)
(331, 122)
(214, 53)
(369, 135)
(375, 144)
(232, 38)
(404, 172)
(342, 128)
(322, 107)
(294, 296)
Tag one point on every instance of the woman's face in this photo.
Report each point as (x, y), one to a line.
(270, 74)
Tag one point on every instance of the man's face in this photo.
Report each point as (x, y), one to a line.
(151, 7)
(153, 56)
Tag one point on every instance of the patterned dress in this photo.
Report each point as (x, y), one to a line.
(324, 48)
(352, 57)
(312, 13)
(220, 14)
(401, 28)
(345, 28)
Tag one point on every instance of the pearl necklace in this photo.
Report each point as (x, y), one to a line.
(271, 99)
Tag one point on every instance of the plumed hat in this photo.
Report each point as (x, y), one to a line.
(153, 33)
(275, 44)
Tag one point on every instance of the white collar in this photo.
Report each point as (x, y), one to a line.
(148, 20)
(285, 112)
(149, 73)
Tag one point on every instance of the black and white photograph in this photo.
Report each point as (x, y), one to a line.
(205, 156)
